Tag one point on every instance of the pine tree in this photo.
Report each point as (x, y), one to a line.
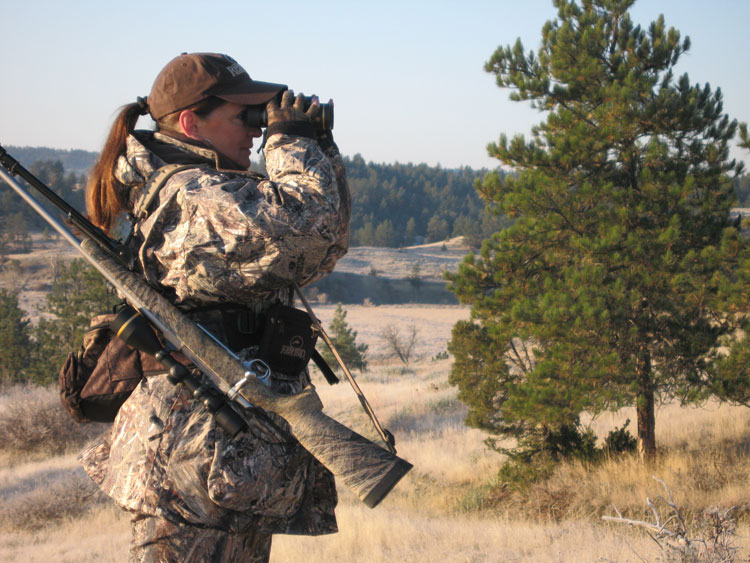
(437, 228)
(415, 276)
(15, 341)
(411, 230)
(18, 232)
(78, 293)
(731, 374)
(345, 340)
(365, 235)
(606, 290)
(744, 137)
(385, 235)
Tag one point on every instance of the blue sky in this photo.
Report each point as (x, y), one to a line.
(407, 77)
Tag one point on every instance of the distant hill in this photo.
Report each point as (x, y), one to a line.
(386, 276)
(427, 262)
(73, 160)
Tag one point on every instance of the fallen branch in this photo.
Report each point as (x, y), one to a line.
(714, 545)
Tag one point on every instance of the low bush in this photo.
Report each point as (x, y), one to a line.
(535, 457)
(49, 499)
(32, 419)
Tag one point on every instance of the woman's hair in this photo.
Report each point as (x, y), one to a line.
(105, 195)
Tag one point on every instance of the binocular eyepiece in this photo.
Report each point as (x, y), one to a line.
(256, 116)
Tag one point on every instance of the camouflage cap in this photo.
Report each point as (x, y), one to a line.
(191, 78)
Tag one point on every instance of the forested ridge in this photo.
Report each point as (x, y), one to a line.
(403, 204)
(393, 205)
(73, 160)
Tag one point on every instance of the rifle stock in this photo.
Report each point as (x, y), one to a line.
(369, 470)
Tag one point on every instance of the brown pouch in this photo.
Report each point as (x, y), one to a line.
(97, 379)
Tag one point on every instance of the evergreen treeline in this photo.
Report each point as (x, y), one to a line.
(73, 160)
(17, 219)
(404, 204)
(393, 205)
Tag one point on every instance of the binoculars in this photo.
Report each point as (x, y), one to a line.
(256, 116)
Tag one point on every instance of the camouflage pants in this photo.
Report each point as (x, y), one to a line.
(156, 540)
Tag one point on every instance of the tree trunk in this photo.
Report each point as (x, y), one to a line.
(645, 409)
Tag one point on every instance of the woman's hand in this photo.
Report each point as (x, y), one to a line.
(291, 109)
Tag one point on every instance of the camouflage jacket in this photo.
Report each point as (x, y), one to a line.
(227, 236)
(220, 236)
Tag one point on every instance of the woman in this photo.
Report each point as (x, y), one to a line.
(223, 244)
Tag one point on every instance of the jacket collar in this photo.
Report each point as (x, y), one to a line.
(184, 151)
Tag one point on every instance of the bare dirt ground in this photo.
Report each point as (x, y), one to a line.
(433, 259)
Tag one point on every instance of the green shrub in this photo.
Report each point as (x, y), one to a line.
(345, 341)
(620, 441)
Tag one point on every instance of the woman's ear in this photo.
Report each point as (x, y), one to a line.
(189, 125)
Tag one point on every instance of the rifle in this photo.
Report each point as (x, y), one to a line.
(369, 470)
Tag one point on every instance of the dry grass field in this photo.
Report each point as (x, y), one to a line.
(446, 509)
(449, 508)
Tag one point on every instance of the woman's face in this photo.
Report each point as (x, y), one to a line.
(224, 129)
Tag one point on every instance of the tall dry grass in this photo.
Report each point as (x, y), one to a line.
(39, 494)
(100, 535)
(41, 484)
(34, 422)
(449, 507)
(396, 535)
(704, 457)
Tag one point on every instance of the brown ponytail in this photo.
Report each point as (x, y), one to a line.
(105, 198)
(104, 193)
